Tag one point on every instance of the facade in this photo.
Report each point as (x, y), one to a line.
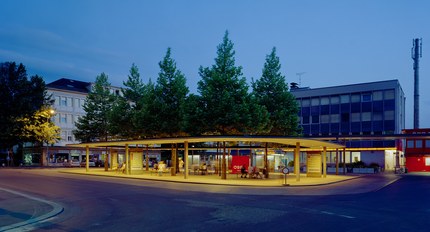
(375, 108)
(417, 150)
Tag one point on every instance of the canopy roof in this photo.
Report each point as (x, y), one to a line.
(290, 141)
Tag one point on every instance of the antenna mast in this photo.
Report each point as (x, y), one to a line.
(416, 55)
(300, 77)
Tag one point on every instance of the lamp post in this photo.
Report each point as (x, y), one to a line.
(51, 112)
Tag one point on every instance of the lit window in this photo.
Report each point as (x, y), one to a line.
(325, 118)
(315, 101)
(377, 116)
(427, 161)
(305, 102)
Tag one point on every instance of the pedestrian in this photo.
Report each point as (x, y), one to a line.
(243, 172)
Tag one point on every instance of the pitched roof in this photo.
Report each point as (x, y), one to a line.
(70, 85)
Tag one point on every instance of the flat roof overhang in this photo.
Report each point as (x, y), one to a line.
(289, 141)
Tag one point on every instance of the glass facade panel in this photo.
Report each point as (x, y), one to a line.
(334, 100)
(315, 119)
(315, 101)
(325, 118)
(366, 97)
(334, 118)
(306, 102)
(427, 143)
(389, 115)
(377, 96)
(355, 117)
(355, 98)
(325, 101)
(344, 98)
(325, 109)
(334, 109)
(389, 94)
(377, 116)
(366, 116)
(305, 120)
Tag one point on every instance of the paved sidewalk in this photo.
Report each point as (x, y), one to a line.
(274, 180)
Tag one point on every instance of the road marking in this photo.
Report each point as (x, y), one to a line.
(57, 209)
(339, 215)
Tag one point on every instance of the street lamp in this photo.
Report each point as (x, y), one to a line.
(50, 113)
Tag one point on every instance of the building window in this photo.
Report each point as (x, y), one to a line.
(57, 100)
(344, 98)
(389, 115)
(334, 118)
(427, 159)
(355, 98)
(355, 117)
(315, 119)
(315, 101)
(410, 144)
(63, 118)
(366, 97)
(377, 116)
(305, 120)
(389, 94)
(69, 138)
(366, 116)
(418, 144)
(334, 100)
(63, 101)
(345, 117)
(427, 143)
(377, 96)
(325, 101)
(305, 102)
(325, 118)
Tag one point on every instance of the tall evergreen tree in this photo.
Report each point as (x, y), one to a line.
(271, 91)
(224, 93)
(94, 125)
(123, 116)
(171, 91)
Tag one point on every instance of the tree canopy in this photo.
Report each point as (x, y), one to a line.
(271, 91)
(20, 97)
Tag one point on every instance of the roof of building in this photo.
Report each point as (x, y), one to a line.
(341, 89)
(70, 85)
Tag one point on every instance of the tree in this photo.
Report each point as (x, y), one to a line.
(123, 119)
(38, 128)
(224, 93)
(271, 91)
(171, 92)
(19, 98)
(94, 125)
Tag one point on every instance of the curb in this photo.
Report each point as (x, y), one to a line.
(57, 209)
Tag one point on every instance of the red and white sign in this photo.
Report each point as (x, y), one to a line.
(237, 162)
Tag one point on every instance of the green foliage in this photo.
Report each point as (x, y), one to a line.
(94, 125)
(224, 94)
(38, 128)
(170, 95)
(271, 91)
(19, 98)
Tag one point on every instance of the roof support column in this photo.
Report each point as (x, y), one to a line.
(223, 164)
(127, 160)
(324, 157)
(186, 160)
(266, 164)
(297, 161)
(87, 158)
(337, 161)
(173, 164)
(147, 157)
(344, 160)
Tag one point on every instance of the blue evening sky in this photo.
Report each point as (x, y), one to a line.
(335, 42)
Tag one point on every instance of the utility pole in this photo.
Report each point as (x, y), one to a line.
(416, 55)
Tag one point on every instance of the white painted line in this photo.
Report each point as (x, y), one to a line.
(57, 209)
(346, 216)
(325, 212)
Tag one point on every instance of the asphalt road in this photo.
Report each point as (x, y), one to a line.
(109, 204)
